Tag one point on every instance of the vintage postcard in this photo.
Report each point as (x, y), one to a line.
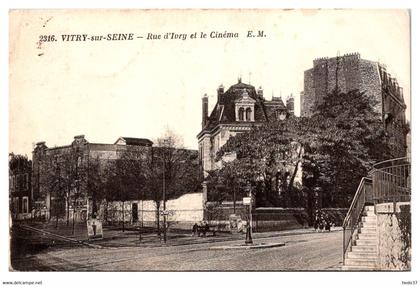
(210, 140)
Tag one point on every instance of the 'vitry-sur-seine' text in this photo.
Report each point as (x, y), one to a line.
(108, 37)
(148, 36)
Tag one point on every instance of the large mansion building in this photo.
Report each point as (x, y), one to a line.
(236, 110)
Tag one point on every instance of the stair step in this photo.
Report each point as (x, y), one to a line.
(365, 242)
(360, 262)
(371, 219)
(364, 248)
(362, 255)
(370, 225)
(371, 230)
(358, 268)
(367, 236)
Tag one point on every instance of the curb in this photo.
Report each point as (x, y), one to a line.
(244, 246)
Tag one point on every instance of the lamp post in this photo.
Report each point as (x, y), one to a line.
(248, 239)
(165, 143)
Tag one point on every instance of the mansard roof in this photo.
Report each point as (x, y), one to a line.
(224, 110)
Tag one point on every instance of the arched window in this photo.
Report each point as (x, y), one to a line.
(241, 114)
(248, 114)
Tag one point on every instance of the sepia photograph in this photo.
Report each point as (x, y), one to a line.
(209, 140)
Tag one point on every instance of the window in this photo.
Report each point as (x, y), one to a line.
(16, 204)
(241, 114)
(248, 114)
(20, 204)
(12, 184)
(25, 205)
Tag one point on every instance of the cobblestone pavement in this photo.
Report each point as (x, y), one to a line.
(303, 250)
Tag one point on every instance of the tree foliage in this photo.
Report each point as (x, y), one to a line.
(19, 163)
(335, 147)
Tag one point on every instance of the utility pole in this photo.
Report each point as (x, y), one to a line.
(248, 200)
(165, 144)
(164, 199)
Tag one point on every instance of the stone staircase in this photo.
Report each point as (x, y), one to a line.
(363, 254)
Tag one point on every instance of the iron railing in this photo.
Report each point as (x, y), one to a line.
(362, 197)
(391, 181)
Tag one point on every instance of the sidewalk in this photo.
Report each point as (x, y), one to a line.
(130, 239)
(115, 237)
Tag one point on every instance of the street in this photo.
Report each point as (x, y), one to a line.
(302, 251)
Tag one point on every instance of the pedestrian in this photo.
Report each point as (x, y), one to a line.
(321, 225)
(322, 222)
(94, 229)
(194, 229)
(317, 220)
(327, 224)
(200, 228)
(206, 228)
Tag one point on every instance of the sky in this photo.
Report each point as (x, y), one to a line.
(140, 88)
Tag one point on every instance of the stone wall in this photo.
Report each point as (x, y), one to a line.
(183, 211)
(394, 236)
(263, 219)
(348, 72)
(279, 219)
(308, 94)
(370, 82)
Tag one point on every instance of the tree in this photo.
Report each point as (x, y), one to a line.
(55, 184)
(130, 176)
(268, 157)
(124, 180)
(335, 147)
(349, 138)
(173, 168)
(76, 179)
(96, 182)
(18, 163)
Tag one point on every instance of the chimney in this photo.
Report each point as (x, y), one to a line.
(40, 146)
(79, 140)
(205, 106)
(290, 104)
(260, 92)
(40, 143)
(220, 91)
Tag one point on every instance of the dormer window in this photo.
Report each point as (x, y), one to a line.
(241, 114)
(248, 114)
(244, 107)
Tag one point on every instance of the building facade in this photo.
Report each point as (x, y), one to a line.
(237, 110)
(73, 180)
(20, 194)
(67, 167)
(351, 72)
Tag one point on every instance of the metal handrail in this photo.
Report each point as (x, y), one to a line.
(391, 181)
(402, 159)
(355, 198)
(388, 181)
(350, 224)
